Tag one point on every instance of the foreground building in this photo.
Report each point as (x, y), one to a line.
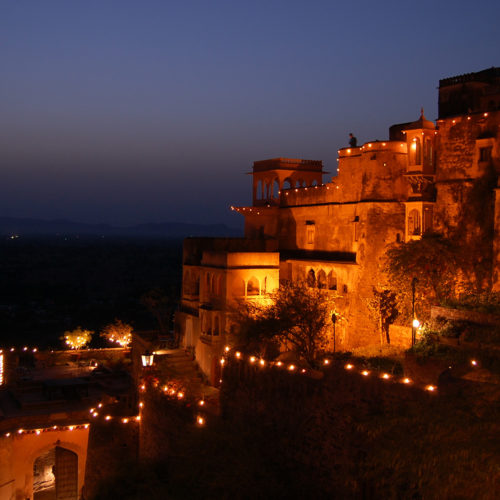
(425, 177)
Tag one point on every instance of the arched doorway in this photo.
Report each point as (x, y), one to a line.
(55, 475)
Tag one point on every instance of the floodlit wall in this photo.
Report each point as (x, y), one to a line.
(19, 451)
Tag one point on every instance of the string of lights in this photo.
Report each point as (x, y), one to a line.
(39, 430)
(174, 393)
(290, 367)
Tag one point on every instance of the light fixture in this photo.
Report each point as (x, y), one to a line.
(147, 359)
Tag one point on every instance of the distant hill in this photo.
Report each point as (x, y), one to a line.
(37, 227)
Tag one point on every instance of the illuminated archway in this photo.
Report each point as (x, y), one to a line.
(311, 278)
(253, 287)
(321, 280)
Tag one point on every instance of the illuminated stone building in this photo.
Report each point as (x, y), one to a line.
(334, 235)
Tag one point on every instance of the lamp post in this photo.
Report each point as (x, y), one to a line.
(147, 359)
(334, 320)
(414, 320)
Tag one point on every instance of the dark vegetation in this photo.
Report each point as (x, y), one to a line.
(298, 317)
(288, 436)
(53, 284)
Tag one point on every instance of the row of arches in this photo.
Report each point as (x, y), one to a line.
(321, 279)
(251, 287)
(213, 284)
(324, 281)
(191, 283)
(269, 189)
(211, 324)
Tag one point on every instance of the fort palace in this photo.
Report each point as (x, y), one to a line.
(334, 234)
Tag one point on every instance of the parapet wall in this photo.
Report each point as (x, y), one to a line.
(365, 437)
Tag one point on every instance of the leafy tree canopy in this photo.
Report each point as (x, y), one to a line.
(298, 317)
(77, 338)
(435, 264)
(118, 332)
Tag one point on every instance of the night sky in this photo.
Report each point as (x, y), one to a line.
(150, 111)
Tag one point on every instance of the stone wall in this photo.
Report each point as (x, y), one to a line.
(112, 446)
(400, 336)
(463, 315)
(364, 437)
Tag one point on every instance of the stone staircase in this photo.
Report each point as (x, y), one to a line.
(176, 365)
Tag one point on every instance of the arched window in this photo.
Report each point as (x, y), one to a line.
(287, 183)
(322, 279)
(311, 278)
(253, 286)
(260, 190)
(415, 152)
(298, 183)
(332, 281)
(414, 224)
(267, 188)
(428, 151)
(216, 325)
(276, 188)
(314, 183)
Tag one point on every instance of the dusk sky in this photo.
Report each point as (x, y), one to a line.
(151, 111)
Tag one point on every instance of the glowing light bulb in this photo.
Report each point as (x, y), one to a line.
(406, 381)
(365, 373)
(349, 366)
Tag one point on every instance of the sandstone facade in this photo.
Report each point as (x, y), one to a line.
(424, 177)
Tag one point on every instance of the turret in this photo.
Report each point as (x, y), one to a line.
(420, 140)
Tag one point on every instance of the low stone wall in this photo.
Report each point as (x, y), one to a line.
(364, 437)
(464, 315)
(112, 447)
(400, 336)
(51, 358)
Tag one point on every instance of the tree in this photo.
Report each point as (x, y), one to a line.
(77, 338)
(298, 317)
(118, 332)
(433, 261)
(383, 306)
